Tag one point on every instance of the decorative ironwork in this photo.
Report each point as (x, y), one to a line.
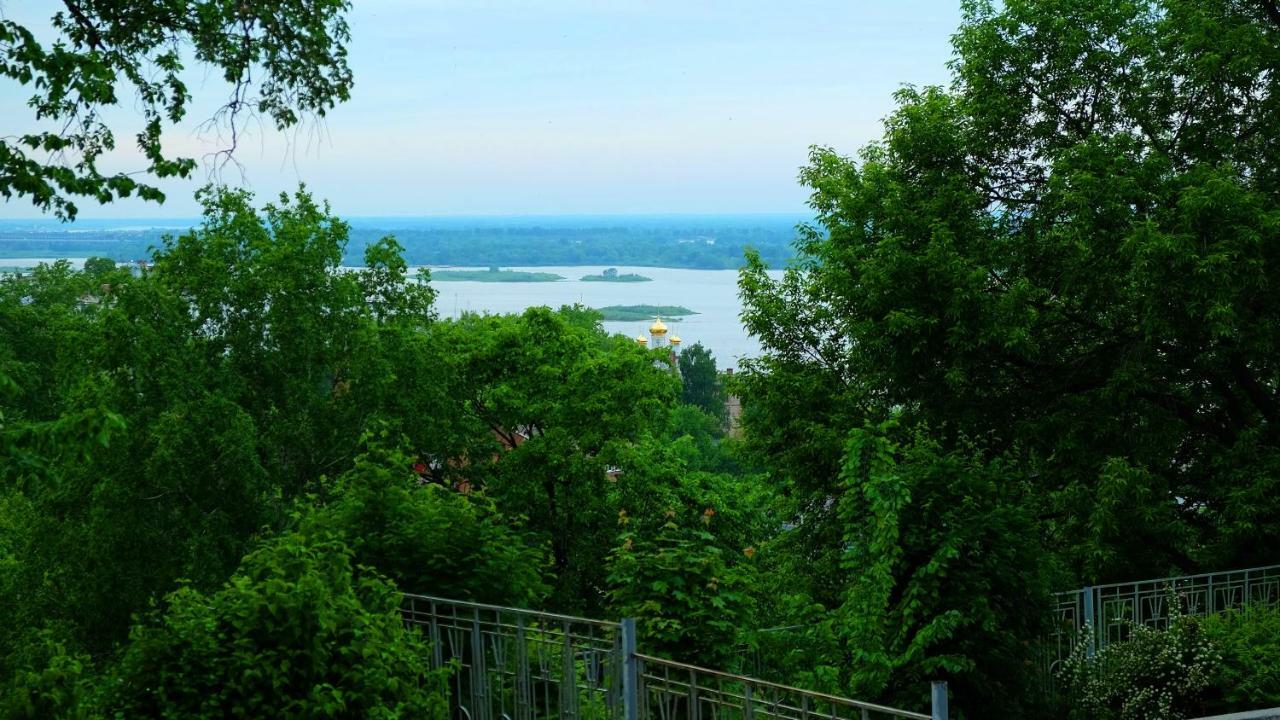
(671, 690)
(512, 664)
(1110, 611)
(1122, 605)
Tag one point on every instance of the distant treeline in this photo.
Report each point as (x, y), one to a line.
(702, 243)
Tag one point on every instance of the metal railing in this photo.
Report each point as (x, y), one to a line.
(512, 664)
(1109, 611)
(672, 690)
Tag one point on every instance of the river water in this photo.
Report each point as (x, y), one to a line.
(713, 294)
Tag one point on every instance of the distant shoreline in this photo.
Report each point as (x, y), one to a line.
(676, 242)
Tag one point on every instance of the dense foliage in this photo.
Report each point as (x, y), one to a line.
(1247, 643)
(245, 402)
(297, 632)
(1047, 295)
(702, 385)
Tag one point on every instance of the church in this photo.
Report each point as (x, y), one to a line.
(658, 338)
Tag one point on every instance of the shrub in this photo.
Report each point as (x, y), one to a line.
(49, 683)
(688, 596)
(427, 538)
(1156, 674)
(1248, 641)
(297, 632)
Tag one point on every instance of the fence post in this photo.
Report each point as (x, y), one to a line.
(1090, 621)
(938, 705)
(630, 674)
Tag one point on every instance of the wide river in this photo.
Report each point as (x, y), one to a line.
(713, 294)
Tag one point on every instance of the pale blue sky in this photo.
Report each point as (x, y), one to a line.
(521, 107)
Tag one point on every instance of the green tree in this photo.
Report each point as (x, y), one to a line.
(1246, 641)
(702, 386)
(1062, 257)
(97, 266)
(945, 574)
(282, 60)
(50, 682)
(242, 370)
(427, 538)
(1059, 264)
(690, 597)
(559, 402)
(298, 632)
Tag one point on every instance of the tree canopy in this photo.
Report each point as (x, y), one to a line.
(1062, 264)
(280, 60)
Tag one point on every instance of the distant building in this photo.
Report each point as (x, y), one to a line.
(658, 339)
(733, 410)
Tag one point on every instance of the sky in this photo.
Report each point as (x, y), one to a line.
(476, 107)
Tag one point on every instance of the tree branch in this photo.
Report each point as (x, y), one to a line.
(91, 30)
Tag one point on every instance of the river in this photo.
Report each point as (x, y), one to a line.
(713, 294)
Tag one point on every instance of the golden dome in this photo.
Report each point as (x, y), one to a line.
(675, 339)
(657, 328)
(642, 340)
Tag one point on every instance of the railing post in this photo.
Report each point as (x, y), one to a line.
(1090, 621)
(938, 705)
(630, 673)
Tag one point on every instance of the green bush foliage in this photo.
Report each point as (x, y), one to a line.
(1248, 643)
(50, 682)
(945, 574)
(429, 539)
(690, 598)
(298, 632)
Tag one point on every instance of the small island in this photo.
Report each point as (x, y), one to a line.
(611, 275)
(493, 274)
(629, 313)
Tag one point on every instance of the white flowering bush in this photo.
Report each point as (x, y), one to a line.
(1156, 674)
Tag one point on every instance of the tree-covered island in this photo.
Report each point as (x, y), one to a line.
(611, 275)
(628, 313)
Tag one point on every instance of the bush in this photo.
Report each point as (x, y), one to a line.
(49, 683)
(1156, 674)
(689, 597)
(427, 538)
(1248, 641)
(297, 632)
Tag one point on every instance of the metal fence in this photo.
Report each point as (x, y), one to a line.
(511, 664)
(1109, 611)
(676, 691)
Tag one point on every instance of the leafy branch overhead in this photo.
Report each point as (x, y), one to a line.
(282, 60)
